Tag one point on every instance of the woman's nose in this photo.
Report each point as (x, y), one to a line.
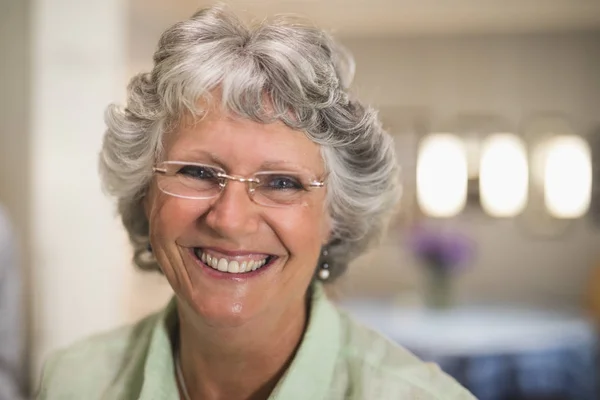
(233, 213)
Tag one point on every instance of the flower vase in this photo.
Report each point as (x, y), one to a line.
(438, 289)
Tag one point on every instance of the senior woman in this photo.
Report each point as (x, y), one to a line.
(246, 174)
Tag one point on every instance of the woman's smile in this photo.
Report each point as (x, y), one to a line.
(239, 263)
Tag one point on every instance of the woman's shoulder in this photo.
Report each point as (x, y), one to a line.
(376, 367)
(89, 366)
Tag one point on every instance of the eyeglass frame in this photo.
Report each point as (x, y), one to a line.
(224, 177)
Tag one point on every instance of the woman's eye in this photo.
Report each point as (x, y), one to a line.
(197, 172)
(283, 182)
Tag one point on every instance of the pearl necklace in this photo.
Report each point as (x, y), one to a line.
(180, 378)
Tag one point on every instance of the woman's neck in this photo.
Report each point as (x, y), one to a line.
(242, 362)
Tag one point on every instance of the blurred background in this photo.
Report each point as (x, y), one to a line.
(491, 266)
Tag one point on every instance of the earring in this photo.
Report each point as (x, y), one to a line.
(324, 267)
(149, 247)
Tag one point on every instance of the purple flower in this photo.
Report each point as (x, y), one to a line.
(446, 251)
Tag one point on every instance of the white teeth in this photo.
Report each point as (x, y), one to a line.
(258, 264)
(233, 266)
(222, 265)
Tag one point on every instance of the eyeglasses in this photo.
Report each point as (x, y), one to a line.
(202, 181)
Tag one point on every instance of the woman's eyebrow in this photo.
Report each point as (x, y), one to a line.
(271, 165)
(192, 155)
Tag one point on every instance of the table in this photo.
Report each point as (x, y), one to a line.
(498, 353)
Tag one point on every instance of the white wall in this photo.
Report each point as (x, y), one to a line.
(63, 63)
(78, 246)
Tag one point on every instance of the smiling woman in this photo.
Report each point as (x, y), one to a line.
(247, 175)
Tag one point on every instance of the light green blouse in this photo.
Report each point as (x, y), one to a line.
(338, 359)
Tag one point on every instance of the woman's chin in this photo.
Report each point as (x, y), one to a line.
(222, 311)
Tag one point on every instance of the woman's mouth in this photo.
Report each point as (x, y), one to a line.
(232, 265)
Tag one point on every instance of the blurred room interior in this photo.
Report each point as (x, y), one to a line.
(495, 109)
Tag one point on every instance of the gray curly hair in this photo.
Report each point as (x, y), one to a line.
(305, 76)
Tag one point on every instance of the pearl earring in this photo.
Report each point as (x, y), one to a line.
(324, 267)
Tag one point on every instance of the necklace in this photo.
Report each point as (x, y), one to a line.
(180, 378)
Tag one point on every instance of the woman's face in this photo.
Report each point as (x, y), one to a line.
(233, 228)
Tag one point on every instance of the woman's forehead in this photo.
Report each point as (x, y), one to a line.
(225, 139)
